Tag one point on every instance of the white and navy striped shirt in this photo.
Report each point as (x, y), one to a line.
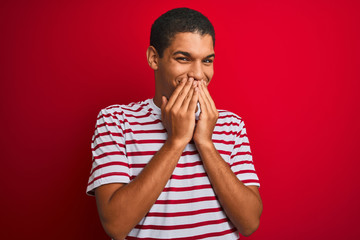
(125, 140)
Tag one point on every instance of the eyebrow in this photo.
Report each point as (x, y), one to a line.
(189, 55)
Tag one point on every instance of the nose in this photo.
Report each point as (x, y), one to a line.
(196, 71)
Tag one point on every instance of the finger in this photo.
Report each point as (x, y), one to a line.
(190, 97)
(185, 103)
(193, 100)
(163, 102)
(203, 104)
(208, 97)
(183, 93)
(176, 92)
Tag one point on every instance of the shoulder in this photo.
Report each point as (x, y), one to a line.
(227, 116)
(121, 110)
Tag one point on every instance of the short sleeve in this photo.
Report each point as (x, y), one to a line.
(109, 161)
(241, 158)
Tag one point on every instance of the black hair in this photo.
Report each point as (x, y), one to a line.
(175, 21)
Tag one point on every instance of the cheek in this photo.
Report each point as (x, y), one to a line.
(209, 73)
(180, 70)
(176, 74)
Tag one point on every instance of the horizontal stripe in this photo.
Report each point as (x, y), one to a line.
(144, 141)
(182, 226)
(225, 132)
(110, 124)
(145, 131)
(240, 134)
(105, 154)
(223, 141)
(197, 237)
(108, 165)
(182, 201)
(112, 107)
(107, 115)
(242, 162)
(224, 152)
(244, 171)
(181, 177)
(179, 165)
(138, 116)
(250, 181)
(120, 114)
(189, 176)
(227, 124)
(185, 189)
(143, 153)
(107, 144)
(241, 144)
(138, 165)
(107, 134)
(229, 116)
(108, 175)
(190, 164)
(143, 123)
(105, 123)
(151, 153)
(241, 154)
(136, 110)
(181, 214)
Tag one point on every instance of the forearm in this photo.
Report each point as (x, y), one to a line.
(242, 205)
(131, 202)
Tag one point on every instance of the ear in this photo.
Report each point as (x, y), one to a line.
(152, 57)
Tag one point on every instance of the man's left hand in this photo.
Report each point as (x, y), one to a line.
(207, 119)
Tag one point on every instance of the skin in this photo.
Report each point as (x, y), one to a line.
(181, 78)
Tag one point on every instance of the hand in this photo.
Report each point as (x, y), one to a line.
(207, 119)
(178, 113)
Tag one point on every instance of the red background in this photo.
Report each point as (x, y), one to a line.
(289, 68)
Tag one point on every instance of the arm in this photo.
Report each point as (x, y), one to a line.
(242, 204)
(122, 206)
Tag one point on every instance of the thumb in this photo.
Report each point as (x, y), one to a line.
(163, 102)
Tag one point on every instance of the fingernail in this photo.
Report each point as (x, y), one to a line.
(191, 79)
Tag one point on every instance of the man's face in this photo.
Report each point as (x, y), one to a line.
(189, 55)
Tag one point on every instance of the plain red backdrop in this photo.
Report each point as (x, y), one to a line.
(289, 68)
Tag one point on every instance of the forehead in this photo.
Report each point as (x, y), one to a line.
(193, 43)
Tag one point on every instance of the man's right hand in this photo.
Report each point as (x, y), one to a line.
(122, 206)
(178, 113)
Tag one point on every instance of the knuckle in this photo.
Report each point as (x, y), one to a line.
(173, 112)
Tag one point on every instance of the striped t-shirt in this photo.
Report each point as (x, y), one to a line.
(127, 137)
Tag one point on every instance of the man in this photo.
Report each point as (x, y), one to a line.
(175, 167)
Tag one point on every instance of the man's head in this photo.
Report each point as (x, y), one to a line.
(182, 46)
(178, 20)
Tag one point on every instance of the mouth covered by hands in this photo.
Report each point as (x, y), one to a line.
(178, 113)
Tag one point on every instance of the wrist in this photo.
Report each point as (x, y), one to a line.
(176, 144)
(204, 145)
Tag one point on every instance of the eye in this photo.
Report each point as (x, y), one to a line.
(184, 59)
(208, 60)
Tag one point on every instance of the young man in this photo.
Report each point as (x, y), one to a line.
(175, 167)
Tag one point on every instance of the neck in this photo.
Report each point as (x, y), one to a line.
(157, 100)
